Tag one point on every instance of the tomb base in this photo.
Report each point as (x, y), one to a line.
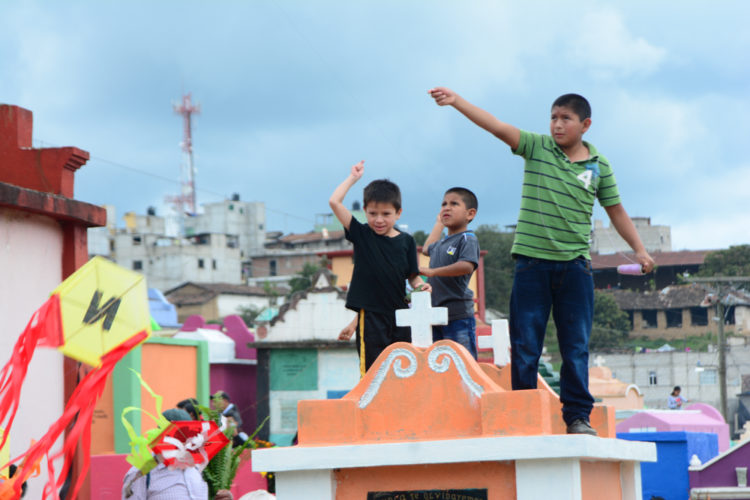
(433, 424)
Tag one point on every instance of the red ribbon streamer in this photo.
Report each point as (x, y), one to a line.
(44, 329)
(79, 411)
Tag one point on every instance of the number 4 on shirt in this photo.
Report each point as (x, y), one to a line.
(585, 177)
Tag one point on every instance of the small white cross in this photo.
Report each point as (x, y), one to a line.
(499, 342)
(420, 318)
(599, 361)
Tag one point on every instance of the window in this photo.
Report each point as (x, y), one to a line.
(272, 268)
(699, 316)
(674, 318)
(201, 264)
(649, 319)
(729, 315)
(652, 378)
(137, 265)
(136, 240)
(213, 264)
(709, 376)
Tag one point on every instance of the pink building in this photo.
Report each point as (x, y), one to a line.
(697, 417)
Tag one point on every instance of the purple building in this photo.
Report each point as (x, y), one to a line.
(233, 365)
(724, 476)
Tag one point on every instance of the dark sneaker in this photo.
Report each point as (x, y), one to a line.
(581, 426)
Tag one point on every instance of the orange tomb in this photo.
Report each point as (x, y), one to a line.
(432, 423)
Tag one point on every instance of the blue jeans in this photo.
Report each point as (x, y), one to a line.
(461, 331)
(567, 288)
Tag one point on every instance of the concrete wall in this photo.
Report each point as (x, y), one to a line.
(337, 372)
(230, 304)
(31, 267)
(241, 218)
(170, 265)
(605, 240)
(662, 330)
(288, 263)
(320, 316)
(679, 368)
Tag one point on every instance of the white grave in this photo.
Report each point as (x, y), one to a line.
(420, 317)
(499, 342)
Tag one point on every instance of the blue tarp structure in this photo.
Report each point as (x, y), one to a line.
(668, 477)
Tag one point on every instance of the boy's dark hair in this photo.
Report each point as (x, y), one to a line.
(383, 191)
(469, 198)
(190, 405)
(223, 395)
(577, 103)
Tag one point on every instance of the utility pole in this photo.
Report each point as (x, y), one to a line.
(721, 286)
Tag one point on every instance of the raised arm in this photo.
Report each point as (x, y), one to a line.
(625, 228)
(336, 201)
(507, 133)
(435, 234)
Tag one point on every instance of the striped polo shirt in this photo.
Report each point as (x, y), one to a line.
(557, 199)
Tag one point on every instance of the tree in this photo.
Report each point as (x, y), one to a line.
(248, 314)
(272, 292)
(498, 266)
(734, 261)
(611, 324)
(420, 237)
(303, 279)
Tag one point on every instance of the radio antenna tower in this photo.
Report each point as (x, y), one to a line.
(186, 201)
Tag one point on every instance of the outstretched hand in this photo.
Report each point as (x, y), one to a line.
(646, 261)
(358, 170)
(443, 96)
(347, 332)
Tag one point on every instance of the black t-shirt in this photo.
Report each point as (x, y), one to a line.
(381, 264)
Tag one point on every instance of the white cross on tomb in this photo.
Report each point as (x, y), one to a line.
(420, 317)
(499, 342)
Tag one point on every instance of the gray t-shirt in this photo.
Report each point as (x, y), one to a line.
(453, 291)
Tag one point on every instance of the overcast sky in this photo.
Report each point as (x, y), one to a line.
(292, 93)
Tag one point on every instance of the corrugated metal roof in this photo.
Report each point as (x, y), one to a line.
(681, 258)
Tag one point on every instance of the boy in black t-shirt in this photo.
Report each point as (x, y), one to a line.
(383, 258)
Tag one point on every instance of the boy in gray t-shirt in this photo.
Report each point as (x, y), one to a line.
(452, 261)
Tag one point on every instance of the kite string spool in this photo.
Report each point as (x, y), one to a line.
(632, 269)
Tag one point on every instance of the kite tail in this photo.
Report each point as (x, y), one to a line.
(44, 329)
(79, 412)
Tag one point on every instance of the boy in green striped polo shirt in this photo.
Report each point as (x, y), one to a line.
(563, 175)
